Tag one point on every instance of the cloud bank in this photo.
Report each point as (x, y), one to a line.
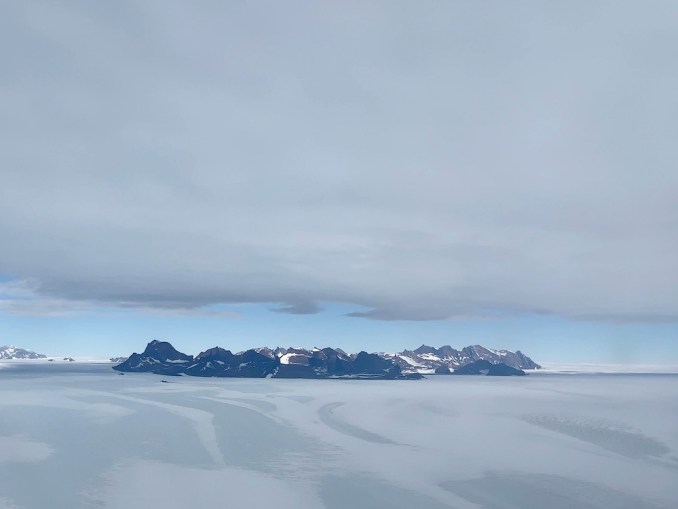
(425, 161)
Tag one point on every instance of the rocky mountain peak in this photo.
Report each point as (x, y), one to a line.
(423, 349)
(164, 351)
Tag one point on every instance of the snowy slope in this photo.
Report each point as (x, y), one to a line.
(426, 359)
(12, 352)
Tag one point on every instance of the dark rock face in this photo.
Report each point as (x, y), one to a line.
(479, 367)
(513, 359)
(524, 362)
(485, 367)
(504, 370)
(297, 371)
(373, 364)
(215, 354)
(424, 349)
(159, 357)
(212, 362)
(337, 361)
(447, 351)
(223, 363)
(255, 365)
(410, 376)
(164, 351)
(443, 370)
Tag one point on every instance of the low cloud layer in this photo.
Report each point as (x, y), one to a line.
(424, 162)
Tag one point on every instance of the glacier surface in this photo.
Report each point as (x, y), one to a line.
(83, 436)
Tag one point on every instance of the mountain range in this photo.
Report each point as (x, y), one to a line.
(9, 352)
(162, 358)
(426, 359)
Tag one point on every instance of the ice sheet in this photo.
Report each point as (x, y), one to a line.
(89, 437)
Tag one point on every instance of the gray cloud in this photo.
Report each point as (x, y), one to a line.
(299, 308)
(428, 161)
(22, 298)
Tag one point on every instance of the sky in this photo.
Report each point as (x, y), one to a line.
(368, 175)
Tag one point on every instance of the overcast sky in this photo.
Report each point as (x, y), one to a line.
(407, 161)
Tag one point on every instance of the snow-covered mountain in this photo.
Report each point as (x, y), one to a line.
(12, 352)
(426, 359)
(161, 357)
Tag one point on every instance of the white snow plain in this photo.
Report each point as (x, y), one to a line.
(83, 436)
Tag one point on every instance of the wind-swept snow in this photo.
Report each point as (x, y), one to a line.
(90, 437)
